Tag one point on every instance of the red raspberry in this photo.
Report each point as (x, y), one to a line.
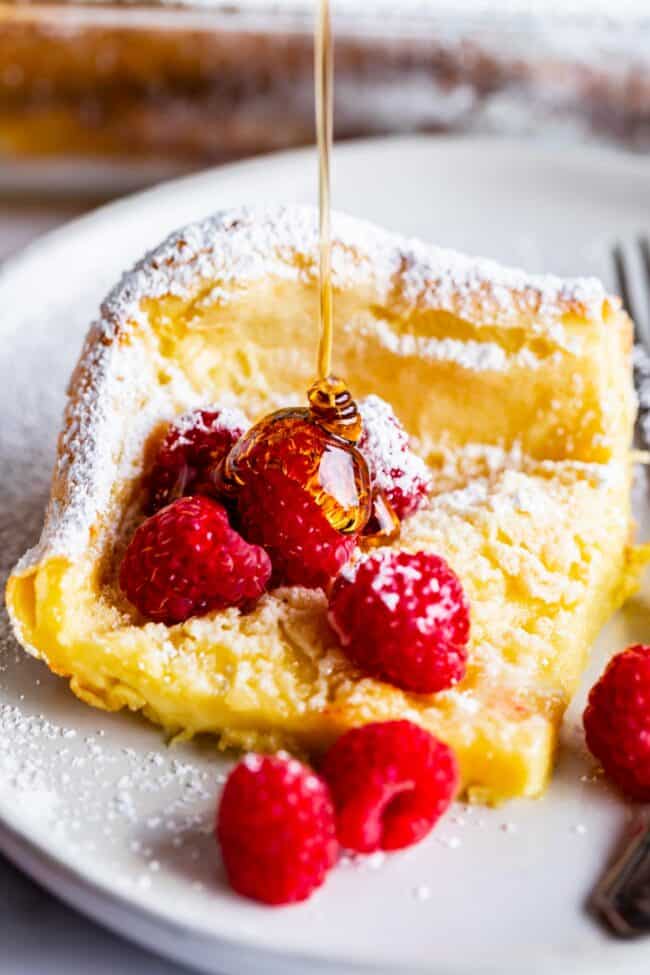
(404, 619)
(186, 560)
(280, 515)
(617, 721)
(394, 467)
(291, 475)
(390, 781)
(276, 828)
(195, 444)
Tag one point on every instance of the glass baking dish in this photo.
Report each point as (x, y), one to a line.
(153, 87)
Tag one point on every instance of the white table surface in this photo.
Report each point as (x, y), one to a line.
(38, 934)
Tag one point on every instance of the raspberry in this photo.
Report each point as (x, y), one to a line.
(617, 721)
(296, 492)
(404, 619)
(186, 560)
(394, 467)
(390, 782)
(280, 515)
(194, 446)
(276, 829)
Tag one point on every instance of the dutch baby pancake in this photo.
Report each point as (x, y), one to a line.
(516, 393)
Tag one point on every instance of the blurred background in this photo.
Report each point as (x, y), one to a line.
(98, 98)
(176, 85)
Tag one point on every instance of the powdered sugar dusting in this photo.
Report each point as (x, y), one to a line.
(393, 578)
(396, 469)
(244, 245)
(116, 398)
(229, 418)
(477, 356)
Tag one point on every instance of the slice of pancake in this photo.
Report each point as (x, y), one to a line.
(517, 391)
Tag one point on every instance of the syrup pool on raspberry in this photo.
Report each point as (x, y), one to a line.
(302, 488)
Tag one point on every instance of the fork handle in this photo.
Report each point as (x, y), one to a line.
(623, 895)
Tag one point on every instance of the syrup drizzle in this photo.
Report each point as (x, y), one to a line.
(331, 404)
(324, 74)
(324, 434)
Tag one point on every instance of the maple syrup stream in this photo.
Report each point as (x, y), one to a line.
(323, 73)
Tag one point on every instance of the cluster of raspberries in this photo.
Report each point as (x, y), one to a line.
(280, 824)
(400, 617)
(273, 511)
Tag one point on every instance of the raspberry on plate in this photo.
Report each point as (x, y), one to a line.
(394, 468)
(186, 560)
(403, 618)
(195, 444)
(390, 781)
(275, 826)
(617, 721)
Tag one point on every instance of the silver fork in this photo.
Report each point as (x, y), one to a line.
(622, 897)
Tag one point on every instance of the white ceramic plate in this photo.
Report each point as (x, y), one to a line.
(99, 810)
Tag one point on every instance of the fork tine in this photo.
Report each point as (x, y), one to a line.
(622, 282)
(623, 275)
(623, 286)
(644, 247)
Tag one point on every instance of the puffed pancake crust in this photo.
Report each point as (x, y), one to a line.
(517, 391)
